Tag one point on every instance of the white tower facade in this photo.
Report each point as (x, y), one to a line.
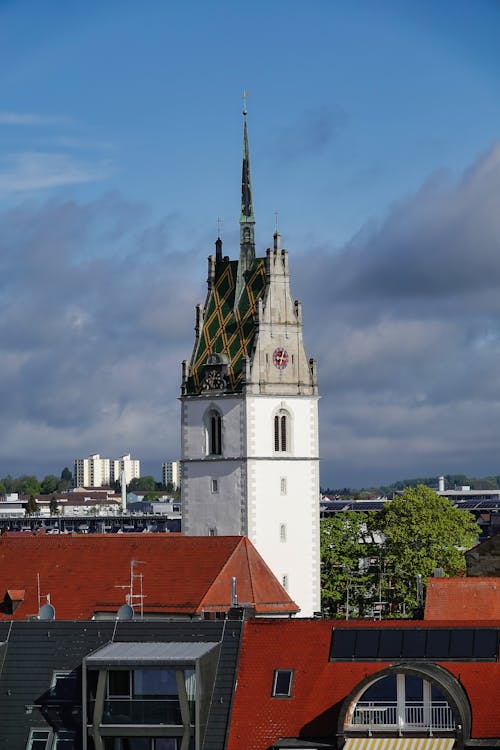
(249, 433)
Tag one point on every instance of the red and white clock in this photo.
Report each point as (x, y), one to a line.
(280, 358)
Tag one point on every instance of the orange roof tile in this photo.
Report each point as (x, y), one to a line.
(462, 599)
(84, 573)
(320, 686)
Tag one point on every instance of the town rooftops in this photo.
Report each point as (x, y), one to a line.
(463, 599)
(320, 686)
(87, 575)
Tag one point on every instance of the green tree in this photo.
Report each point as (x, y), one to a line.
(421, 531)
(347, 578)
(3, 489)
(66, 480)
(53, 506)
(146, 483)
(49, 484)
(27, 485)
(31, 506)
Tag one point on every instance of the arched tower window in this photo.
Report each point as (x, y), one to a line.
(281, 431)
(213, 426)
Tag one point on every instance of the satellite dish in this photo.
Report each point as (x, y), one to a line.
(125, 612)
(46, 612)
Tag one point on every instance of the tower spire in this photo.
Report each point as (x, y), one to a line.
(247, 219)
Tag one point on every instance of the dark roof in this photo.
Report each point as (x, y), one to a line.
(227, 330)
(35, 650)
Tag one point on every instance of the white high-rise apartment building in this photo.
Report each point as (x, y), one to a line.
(130, 466)
(93, 471)
(171, 473)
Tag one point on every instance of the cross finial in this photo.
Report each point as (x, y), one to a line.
(245, 95)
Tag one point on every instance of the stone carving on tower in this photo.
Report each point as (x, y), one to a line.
(249, 424)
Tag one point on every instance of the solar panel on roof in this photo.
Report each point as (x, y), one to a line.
(413, 644)
(441, 644)
(438, 642)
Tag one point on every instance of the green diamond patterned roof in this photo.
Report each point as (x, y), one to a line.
(227, 330)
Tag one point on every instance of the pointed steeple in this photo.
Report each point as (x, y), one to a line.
(247, 220)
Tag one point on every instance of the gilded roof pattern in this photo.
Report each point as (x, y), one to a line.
(227, 330)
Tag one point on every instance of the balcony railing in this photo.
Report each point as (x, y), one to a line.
(435, 716)
(140, 711)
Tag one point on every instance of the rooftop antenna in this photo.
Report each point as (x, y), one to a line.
(219, 225)
(132, 598)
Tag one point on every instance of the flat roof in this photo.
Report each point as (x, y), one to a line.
(130, 653)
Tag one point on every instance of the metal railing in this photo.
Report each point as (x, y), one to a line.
(140, 711)
(437, 715)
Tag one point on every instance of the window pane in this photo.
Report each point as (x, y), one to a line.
(382, 690)
(65, 740)
(119, 683)
(154, 682)
(282, 682)
(276, 433)
(38, 739)
(166, 743)
(414, 688)
(283, 433)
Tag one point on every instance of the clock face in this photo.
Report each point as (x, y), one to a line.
(280, 358)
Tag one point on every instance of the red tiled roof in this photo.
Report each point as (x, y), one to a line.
(321, 686)
(84, 573)
(462, 599)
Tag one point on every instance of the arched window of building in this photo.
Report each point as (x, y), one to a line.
(403, 702)
(281, 431)
(213, 432)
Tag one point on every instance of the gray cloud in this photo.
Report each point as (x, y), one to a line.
(410, 356)
(97, 311)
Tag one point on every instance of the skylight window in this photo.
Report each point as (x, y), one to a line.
(282, 683)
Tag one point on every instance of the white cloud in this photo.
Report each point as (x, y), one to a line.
(25, 118)
(35, 171)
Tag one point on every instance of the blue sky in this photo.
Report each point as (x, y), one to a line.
(374, 131)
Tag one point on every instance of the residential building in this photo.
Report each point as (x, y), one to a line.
(131, 468)
(93, 471)
(249, 413)
(257, 684)
(170, 474)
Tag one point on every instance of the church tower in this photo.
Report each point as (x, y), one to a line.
(249, 413)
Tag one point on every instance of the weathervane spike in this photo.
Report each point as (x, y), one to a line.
(245, 95)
